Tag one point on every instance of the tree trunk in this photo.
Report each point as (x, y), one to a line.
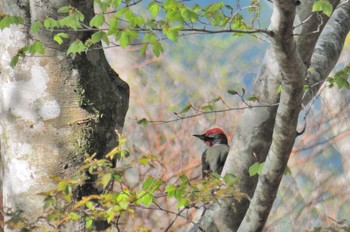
(54, 108)
(271, 131)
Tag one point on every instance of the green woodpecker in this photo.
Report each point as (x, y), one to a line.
(214, 157)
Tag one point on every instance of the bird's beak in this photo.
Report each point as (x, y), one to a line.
(202, 137)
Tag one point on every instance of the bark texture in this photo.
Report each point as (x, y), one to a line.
(291, 59)
(293, 72)
(54, 108)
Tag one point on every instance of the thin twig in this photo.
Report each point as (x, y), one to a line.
(178, 118)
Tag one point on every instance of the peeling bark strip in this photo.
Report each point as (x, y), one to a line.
(43, 98)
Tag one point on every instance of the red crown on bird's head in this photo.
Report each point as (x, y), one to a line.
(214, 131)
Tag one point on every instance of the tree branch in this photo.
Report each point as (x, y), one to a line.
(200, 113)
(328, 49)
(293, 72)
(253, 134)
(313, 24)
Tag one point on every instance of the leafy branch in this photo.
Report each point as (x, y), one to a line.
(139, 22)
(115, 204)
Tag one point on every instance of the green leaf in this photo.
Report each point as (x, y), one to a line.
(68, 189)
(76, 47)
(8, 20)
(182, 203)
(154, 9)
(78, 15)
(306, 87)
(98, 36)
(323, 6)
(53, 216)
(97, 21)
(171, 33)
(58, 37)
(317, 6)
(327, 9)
(110, 216)
(50, 23)
(238, 22)
(157, 48)
(189, 14)
(215, 175)
(124, 203)
(208, 107)
(74, 216)
(215, 7)
(184, 179)
(232, 92)
(88, 222)
(14, 61)
(147, 183)
(122, 154)
(230, 179)
(155, 186)
(279, 90)
(124, 39)
(71, 22)
(252, 98)
(179, 193)
(35, 27)
(116, 3)
(103, 5)
(142, 121)
(48, 202)
(117, 177)
(139, 21)
(36, 47)
(144, 161)
(256, 168)
(196, 8)
(90, 205)
(113, 24)
(216, 99)
(287, 171)
(106, 179)
(147, 199)
(64, 9)
(143, 49)
(186, 108)
(341, 78)
(170, 189)
(62, 186)
(129, 15)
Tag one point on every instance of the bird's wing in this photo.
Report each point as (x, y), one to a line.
(216, 157)
(205, 165)
(223, 157)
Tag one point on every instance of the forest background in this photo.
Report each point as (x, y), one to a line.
(199, 68)
(171, 89)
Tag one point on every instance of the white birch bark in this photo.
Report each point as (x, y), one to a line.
(45, 129)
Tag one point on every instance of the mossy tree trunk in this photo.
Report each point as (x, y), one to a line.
(54, 108)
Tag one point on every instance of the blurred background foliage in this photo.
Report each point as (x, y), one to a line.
(199, 68)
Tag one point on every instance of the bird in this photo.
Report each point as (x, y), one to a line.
(214, 157)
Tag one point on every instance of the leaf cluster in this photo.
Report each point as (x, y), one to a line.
(340, 78)
(145, 23)
(116, 201)
(323, 6)
(138, 22)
